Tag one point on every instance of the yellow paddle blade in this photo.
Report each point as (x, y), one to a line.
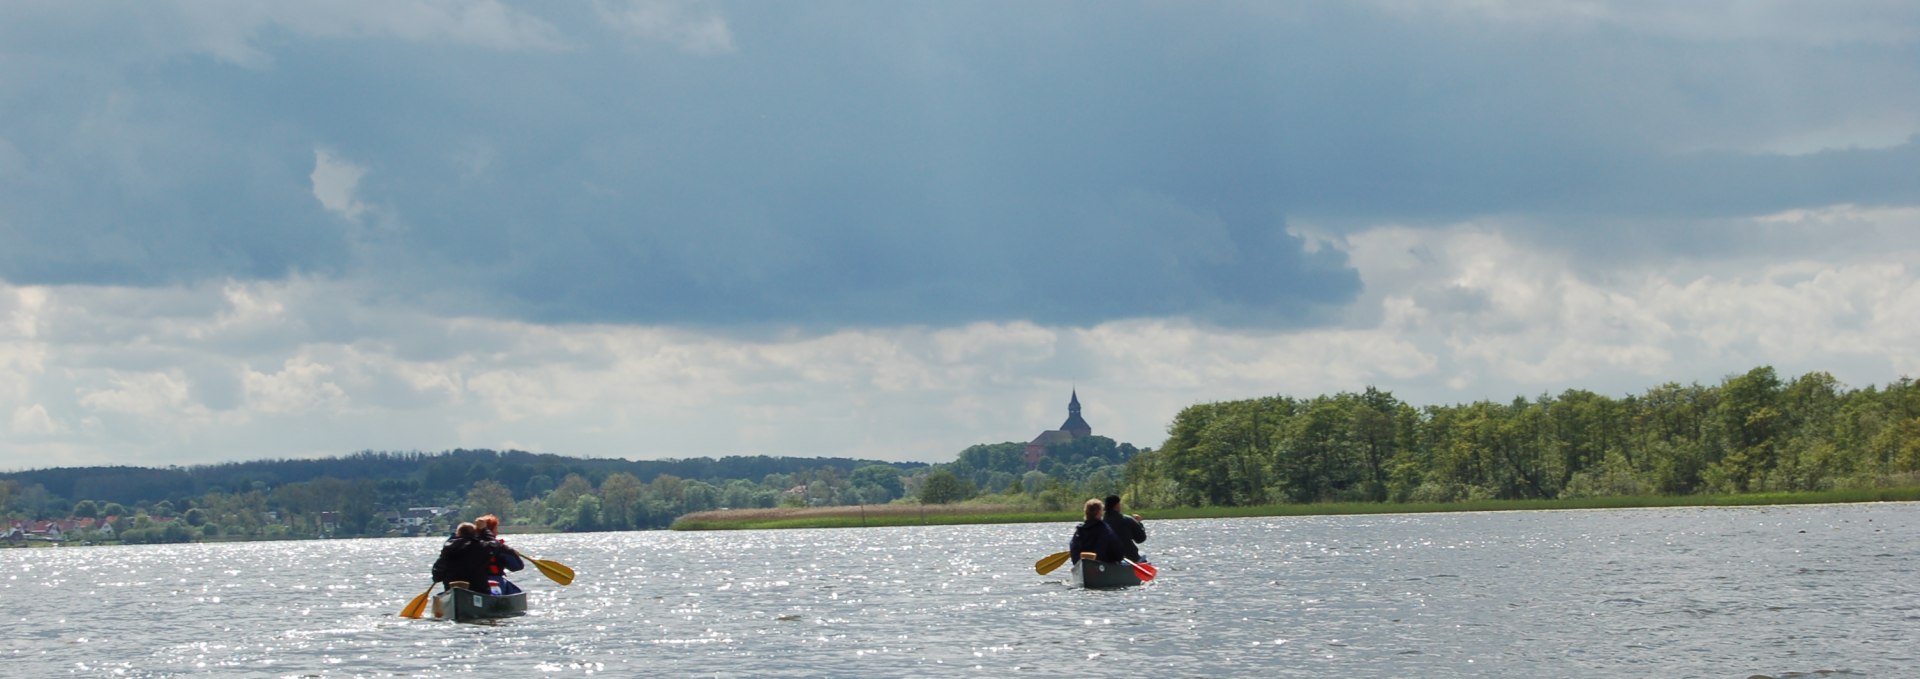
(1049, 563)
(554, 570)
(418, 605)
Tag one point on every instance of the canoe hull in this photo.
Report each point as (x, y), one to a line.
(1104, 575)
(464, 605)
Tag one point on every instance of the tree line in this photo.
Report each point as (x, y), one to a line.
(1753, 432)
(365, 493)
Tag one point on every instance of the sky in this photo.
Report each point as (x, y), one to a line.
(892, 230)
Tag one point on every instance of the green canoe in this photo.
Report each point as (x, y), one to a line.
(1104, 574)
(464, 605)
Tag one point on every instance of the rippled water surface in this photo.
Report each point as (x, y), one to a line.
(1631, 593)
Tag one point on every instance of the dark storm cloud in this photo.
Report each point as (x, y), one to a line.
(911, 163)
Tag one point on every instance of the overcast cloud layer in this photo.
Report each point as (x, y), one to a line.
(892, 230)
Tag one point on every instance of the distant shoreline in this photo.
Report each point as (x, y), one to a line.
(960, 514)
(873, 516)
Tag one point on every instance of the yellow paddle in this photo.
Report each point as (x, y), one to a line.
(1048, 563)
(418, 605)
(554, 570)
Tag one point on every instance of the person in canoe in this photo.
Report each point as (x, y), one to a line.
(1094, 535)
(1129, 528)
(503, 558)
(465, 557)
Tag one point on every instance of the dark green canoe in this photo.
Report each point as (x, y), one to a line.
(464, 605)
(1104, 574)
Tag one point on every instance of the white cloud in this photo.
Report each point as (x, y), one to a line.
(1509, 318)
(696, 32)
(23, 307)
(1883, 133)
(335, 180)
(300, 386)
(33, 421)
(1883, 228)
(150, 395)
(1451, 314)
(23, 357)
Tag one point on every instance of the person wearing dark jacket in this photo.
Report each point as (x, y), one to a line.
(464, 558)
(1095, 536)
(1129, 528)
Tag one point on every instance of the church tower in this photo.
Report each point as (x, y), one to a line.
(1075, 425)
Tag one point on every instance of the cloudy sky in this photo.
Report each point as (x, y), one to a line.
(236, 230)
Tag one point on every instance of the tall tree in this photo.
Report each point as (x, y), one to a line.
(1371, 429)
(884, 476)
(565, 497)
(489, 497)
(586, 514)
(357, 506)
(1750, 420)
(620, 496)
(943, 487)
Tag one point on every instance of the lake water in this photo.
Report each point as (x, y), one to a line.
(1776, 591)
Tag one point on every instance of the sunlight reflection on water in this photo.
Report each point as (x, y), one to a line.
(1671, 592)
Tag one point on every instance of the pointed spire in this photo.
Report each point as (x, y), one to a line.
(1075, 425)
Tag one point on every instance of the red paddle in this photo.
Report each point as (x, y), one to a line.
(1143, 571)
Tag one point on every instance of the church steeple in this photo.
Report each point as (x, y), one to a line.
(1076, 425)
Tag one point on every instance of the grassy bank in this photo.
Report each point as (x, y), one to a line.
(917, 515)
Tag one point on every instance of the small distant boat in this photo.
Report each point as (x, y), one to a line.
(1104, 574)
(464, 605)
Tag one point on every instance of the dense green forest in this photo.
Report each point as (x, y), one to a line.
(369, 493)
(385, 493)
(403, 477)
(1752, 432)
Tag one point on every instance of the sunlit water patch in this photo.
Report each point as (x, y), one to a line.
(1776, 591)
